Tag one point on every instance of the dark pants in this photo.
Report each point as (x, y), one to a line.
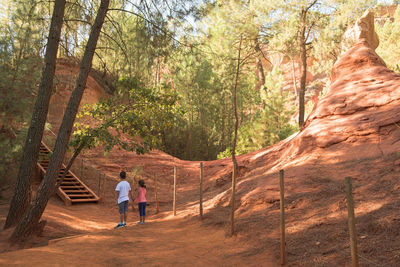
(142, 208)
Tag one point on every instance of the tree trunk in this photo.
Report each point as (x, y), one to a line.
(234, 172)
(222, 141)
(303, 55)
(30, 221)
(260, 68)
(71, 161)
(294, 77)
(303, 37)
(22, 191)
(189, 142)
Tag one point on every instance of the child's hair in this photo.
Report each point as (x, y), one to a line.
(122, 175)
(141, 183)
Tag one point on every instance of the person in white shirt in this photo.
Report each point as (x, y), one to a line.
(123, 190)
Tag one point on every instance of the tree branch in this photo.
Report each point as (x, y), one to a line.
(71, 161)
(311, 4)
(309, 30)
(150, 22)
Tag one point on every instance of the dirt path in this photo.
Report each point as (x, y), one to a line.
(171, 242)
(167, 243)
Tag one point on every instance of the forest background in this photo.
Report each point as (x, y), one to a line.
(182, 57)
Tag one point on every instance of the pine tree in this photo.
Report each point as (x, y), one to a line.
(22, 192)
(30, 220)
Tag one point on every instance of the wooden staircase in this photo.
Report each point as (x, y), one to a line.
(71, 190)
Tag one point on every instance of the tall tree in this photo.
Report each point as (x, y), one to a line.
(308, 28)
(30, 221)
(234, 161)
(305, 29)
(21, 46)
(22, 191)
(295, 29)
(225, 25)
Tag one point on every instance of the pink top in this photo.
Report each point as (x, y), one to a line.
(141, 197)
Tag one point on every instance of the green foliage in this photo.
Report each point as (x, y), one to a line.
(152, 46)
(397, 68)
(327, 44)
(277, 112)
(205, 75)
(137, 170)
(197, 135)
(138, 112)
(11, 145)
(20, 62)
(134, 174)
(389, 41)
(270, 125)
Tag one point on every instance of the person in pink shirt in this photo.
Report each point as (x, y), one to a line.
(141, 200)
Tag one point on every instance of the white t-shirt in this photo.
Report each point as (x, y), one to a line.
(123, 187)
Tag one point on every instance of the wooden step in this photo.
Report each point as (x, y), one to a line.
(84, 200)
(70, 183)
(71, 186)
(79, 191)
(85, 196)
(59, 176)
(71, 190)
(66, 176)
(67, 179)
(76, 191)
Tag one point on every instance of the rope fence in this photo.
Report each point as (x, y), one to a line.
(83, 168)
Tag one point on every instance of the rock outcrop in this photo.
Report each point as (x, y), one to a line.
(362, 31)
(361, 110)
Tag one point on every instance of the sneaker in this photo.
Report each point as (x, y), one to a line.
(119, 225)
(139, 223)
(124, 224)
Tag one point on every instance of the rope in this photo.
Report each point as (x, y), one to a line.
(367, 260)
(52, 132)
(360, 256)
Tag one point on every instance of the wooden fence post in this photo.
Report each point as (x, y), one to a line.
(103, 191)
(232, 215)
(201, 190)
(351, 221)
(174, 200)
(134, 192)
(282, 202)
(99, 187)
(156, 193)
(81, 168)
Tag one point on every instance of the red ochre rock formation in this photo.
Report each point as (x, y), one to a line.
(362, 30)
(361, 109)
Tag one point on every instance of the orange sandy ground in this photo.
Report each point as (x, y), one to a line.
(91, 241)
(353, 131)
